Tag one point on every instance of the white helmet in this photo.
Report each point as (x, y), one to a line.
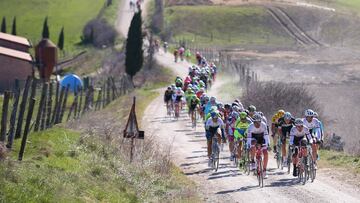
(299, 122)
(309, 112)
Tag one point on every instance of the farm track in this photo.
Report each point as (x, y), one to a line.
(291, 27)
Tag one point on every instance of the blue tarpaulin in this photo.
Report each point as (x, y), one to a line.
(73, 81)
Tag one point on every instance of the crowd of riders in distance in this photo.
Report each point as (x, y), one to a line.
(243, 128)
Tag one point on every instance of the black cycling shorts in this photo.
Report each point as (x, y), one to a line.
(300, 141)
(259, 138)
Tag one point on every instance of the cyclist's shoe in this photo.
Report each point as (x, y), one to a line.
(295, 173)
(315, 166)
(265, 175)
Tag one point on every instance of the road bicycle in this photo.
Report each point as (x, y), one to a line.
(289, 158)
(234, 153)
(302, 164)
(278, 155)
(177, 110)
(311, 164)
(259, 172)
(215, 152)
(169, 108)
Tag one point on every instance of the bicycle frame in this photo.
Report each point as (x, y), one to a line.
(259, 164)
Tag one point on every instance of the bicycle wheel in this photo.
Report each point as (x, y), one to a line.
(248, 162)
(289, 160)
(195, 118)
(312, 171)
(306, 172)
(217, 154)
(260, 172)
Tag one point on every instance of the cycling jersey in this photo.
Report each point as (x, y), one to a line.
(260, 134)
(168, 95)
(296, 135)
(314, 127)
(240, 128)
(285, 127)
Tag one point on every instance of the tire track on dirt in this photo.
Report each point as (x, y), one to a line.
(291, 27)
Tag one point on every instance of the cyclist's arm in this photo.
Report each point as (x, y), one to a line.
(266, 135)
(249, 133)
(292, 134)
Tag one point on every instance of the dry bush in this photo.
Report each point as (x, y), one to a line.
(99, 33)
(269, 97)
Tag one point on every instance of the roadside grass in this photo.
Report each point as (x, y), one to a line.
(224, 25)
(73, 15)
(59, 166)
(85, 161)
(333, 159)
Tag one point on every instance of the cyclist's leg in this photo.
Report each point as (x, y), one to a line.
(209, 143)
(266, 157)
(283, 147)
(240, 149)
(231, 144)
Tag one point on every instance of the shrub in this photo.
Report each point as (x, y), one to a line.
(269, 97)
(99, 33)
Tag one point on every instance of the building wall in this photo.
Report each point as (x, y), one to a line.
(15, 46)
(11, 69)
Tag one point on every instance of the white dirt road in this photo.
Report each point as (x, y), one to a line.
(228, 184)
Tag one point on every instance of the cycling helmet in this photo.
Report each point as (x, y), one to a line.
(257, 118)
(212, 99)
(169, 88)
(260, 113)
(202, 90)
(299, 122)
(206, 98)
(227, 106)
(281, 113)
(252, 108)
(235, 108)
(287, 115)
(309, 112)
(234, 114)
(235, 104)
(214, 114)
(243, 115)
(213, 109)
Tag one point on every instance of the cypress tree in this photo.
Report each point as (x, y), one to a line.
(61, 39)
(3, 25)
(13, 31)
(134, 52)
(45, 32)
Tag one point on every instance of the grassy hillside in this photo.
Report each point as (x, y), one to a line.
(224, 25)
(72, 14)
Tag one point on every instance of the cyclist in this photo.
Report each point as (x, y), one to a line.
(285, 124)
(165, 47)
(178, 82)
(187, 54)
(241, 125)
(168, 97)
(298, 133)
(194, 101)
(230, 128)
(251, 111)
(212, 126)
(210, 104)
(176, 55)
(181, 53)
(274, 125)
(257, 134)
(177, 99)
(313, 125)
(198, 57)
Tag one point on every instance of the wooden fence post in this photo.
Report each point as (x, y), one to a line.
(13, 118)
(56, 106)
(63, 108)
(49, 106)
(22, 108)
(41, 107)
(98, 101)
(4, 115)
(27, 128)
(80, 102)
(44, 108)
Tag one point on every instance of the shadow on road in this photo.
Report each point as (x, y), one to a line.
(246, 188)
(286, 182)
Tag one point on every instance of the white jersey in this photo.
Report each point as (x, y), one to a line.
(261, 130)
(211, 123)
(314, 126)
(294, 132)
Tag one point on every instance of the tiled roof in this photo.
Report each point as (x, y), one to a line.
(15, 39)
(15, 54)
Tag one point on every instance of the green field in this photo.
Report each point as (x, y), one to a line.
(224, 25)
(72, 14)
